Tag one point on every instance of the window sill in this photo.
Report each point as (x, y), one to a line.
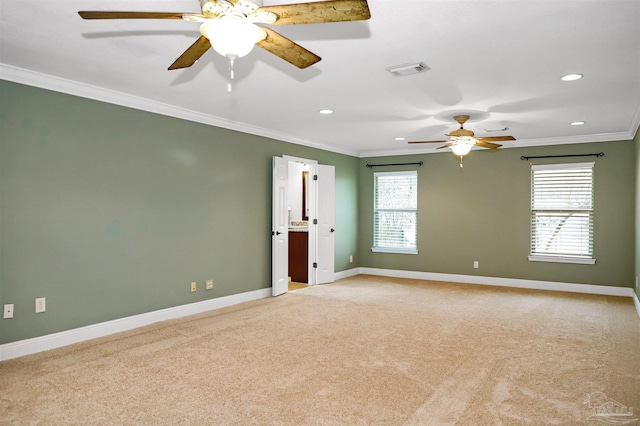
(562, 259)
(393, 250)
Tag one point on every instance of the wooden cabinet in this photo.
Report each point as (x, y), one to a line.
(299, 256)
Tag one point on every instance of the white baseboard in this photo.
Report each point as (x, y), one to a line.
(346, 274)
(507, 282)
(68, 337)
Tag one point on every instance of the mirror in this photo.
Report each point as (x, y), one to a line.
(305, 192)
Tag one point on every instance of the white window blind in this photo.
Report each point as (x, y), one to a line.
(562, 211)
(395, 212)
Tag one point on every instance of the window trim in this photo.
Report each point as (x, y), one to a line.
(395, 250)
(563, 258)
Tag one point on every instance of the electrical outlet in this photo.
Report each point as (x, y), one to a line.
(8, 311)
(41, 305)
(351, 259)
(476, 264)
(209, 284)
(193, 286)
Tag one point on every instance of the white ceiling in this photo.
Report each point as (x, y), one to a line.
(499, 61)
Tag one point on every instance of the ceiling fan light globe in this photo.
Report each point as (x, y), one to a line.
(462, 149)
(232, 37)
(462, 145)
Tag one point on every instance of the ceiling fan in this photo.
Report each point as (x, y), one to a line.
(462, 140)
(229, 26)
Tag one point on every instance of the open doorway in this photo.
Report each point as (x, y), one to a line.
(303, 222)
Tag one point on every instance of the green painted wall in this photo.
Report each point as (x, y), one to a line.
(109, 212)
(481, 212)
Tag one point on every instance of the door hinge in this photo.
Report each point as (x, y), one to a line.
(315, 221)
(315, 264)
(315, 177)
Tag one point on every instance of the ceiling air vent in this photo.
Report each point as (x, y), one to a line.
(408, 69)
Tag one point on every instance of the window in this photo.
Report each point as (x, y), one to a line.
(562, 213)
(395, 207)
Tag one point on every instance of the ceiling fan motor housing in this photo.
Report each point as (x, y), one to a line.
(461, 119)
(215, 8)
(461, 132)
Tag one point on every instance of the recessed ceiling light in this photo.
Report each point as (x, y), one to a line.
(326, 111)
(571, 77)
(577, 123)
(399, 139)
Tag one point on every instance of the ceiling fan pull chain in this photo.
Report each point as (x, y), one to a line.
(231, 62)
(231, 74)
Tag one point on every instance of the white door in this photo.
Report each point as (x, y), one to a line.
(326, 208)
(280, 228)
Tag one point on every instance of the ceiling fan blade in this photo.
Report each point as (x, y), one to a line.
(288, 50)
(192, 54)
(488, 144)
(132, 15)
(427, 141)
(319, 12)
(497, 139)
(444, 146)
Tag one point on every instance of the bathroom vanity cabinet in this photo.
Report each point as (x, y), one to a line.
(299, 256)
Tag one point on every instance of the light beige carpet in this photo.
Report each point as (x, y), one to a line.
(363, 351)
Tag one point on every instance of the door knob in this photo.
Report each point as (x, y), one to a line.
(333, 230)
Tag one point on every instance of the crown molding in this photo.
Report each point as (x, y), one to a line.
(62, 85)
(75, 88)
(522, 143)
